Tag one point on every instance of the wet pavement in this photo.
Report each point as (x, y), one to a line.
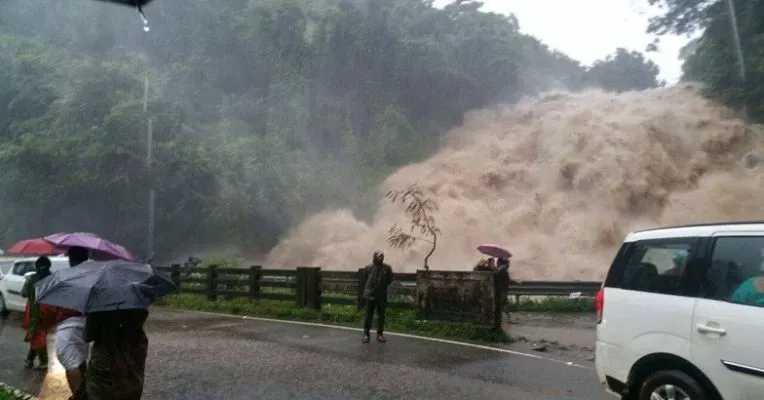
(201, 356)
(568, 336)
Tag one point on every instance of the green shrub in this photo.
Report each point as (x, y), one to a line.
(9, 393)
(404, 321)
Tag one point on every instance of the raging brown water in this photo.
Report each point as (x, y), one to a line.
(559, 180)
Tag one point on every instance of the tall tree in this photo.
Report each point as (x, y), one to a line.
(715, 59)
(622, 71)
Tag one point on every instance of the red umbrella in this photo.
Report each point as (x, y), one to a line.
(35, 247)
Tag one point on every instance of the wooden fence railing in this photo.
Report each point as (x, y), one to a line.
(311, 286)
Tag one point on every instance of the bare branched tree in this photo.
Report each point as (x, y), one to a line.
(419, 208)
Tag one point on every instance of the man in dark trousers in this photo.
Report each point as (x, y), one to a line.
(377, 277)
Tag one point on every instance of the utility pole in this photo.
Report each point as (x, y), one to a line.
(738, 48)
(149, 165)
(736, 37)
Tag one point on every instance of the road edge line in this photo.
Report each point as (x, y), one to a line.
(406, 335)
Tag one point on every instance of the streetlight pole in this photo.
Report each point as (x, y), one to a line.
(736, 37)
(738, 48)
(149, 165)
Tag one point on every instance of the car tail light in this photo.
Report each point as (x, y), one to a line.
(599, 304)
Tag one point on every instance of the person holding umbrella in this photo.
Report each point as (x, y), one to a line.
(71, 347)
(501, 279)
(114, 296)
(37, 318)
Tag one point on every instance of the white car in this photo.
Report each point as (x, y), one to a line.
(5, 266)
(13, 281)
(681, 314)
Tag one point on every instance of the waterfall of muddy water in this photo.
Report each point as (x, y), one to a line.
(558, 179)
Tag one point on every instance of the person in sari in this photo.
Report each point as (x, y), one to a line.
(118, 357)
(37, 317)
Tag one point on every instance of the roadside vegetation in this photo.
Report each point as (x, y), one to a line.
(403, 321)
(9, 393)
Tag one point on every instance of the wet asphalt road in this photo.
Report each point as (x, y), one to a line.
(201, 356)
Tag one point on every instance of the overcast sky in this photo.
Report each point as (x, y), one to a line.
(588, 30)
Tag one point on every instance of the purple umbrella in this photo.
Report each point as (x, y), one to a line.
(494, 250)
(100, 248)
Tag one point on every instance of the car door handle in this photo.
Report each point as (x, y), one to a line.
(710, 329)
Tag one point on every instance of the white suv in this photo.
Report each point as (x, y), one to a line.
(681, 314)
(13, 281)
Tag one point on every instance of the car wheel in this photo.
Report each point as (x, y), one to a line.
(3, 310)
(671, 385)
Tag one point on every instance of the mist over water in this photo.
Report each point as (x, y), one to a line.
(559, 180)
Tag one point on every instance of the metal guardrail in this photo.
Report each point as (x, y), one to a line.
(525, 288)
(555, 288)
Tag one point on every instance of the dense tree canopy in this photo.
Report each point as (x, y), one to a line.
(623, 71)
(712, 58)
(262, 111)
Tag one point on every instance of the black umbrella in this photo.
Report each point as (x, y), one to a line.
(131, 3)
(104, 286)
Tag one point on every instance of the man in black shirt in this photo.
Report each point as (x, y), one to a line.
(377, 278)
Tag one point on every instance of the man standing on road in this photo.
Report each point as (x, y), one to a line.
(377, 278)
(71, 348)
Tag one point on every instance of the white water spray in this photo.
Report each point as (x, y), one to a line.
(145, 20)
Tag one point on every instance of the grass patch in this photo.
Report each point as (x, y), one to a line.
(553, 304)
(404, 321)
(9, 393)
